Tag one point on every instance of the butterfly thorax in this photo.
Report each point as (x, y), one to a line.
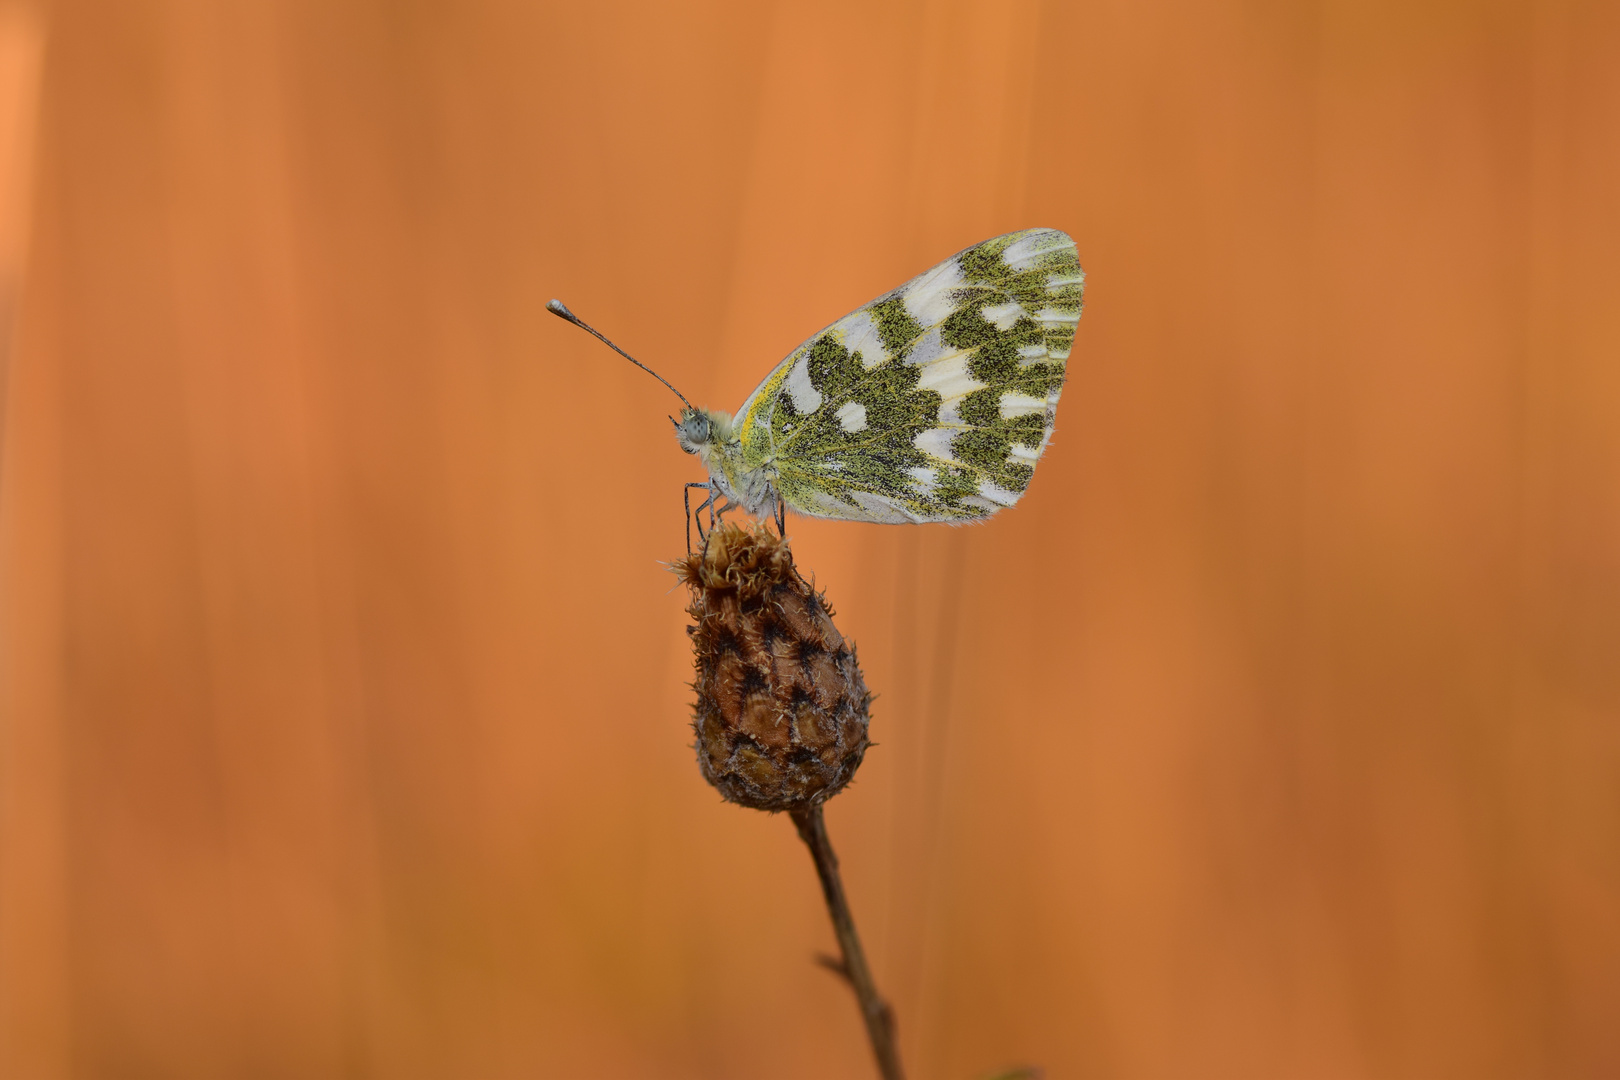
(710, 434)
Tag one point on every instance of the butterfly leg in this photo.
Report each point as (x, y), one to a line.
(686, 497)
(781, 519)
(712, 503)
(709, 502)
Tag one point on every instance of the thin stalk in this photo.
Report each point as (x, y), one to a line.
(874, 1010)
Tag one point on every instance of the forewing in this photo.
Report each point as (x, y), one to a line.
(933, 402)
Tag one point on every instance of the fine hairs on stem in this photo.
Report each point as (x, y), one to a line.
(874, 1010)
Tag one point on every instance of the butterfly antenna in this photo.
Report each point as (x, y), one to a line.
(559, 309)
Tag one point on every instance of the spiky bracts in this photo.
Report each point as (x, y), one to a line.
(782, 711)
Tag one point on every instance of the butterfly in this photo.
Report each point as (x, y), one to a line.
(931, 403)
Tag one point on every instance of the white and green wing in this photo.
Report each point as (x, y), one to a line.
(931, 403)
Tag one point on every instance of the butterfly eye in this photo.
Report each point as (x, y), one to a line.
(693, 430)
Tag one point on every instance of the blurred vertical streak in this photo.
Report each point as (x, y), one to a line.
(33, 986)
(1274, 735)
(21, 44)
(974, 101)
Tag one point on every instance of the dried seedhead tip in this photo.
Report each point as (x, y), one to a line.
(781, 710)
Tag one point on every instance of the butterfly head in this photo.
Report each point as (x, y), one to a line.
(699, 431)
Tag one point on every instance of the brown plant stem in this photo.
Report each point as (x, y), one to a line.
(874, 1010)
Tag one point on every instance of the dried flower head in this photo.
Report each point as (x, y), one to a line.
(782, 710)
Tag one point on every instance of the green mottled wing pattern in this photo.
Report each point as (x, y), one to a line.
(932, 403)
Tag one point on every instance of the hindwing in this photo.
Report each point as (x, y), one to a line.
(932, 402)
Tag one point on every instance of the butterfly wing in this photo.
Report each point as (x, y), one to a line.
(931, 403)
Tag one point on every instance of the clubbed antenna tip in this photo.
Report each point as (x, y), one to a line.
(560, 309)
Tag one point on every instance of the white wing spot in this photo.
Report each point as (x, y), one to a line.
(924, 480)
(1015, 405)
(882, 510)
(1020, 253)
(806, 398)
(1050, 316)
(851, 416)
(1000, 496)
(1003, 316)
(936, 442)
(948, 376)
(1019, 454)
(861, 339)
(926, 349)
(929, 299)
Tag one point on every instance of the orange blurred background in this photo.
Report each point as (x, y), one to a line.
(1276, 734)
